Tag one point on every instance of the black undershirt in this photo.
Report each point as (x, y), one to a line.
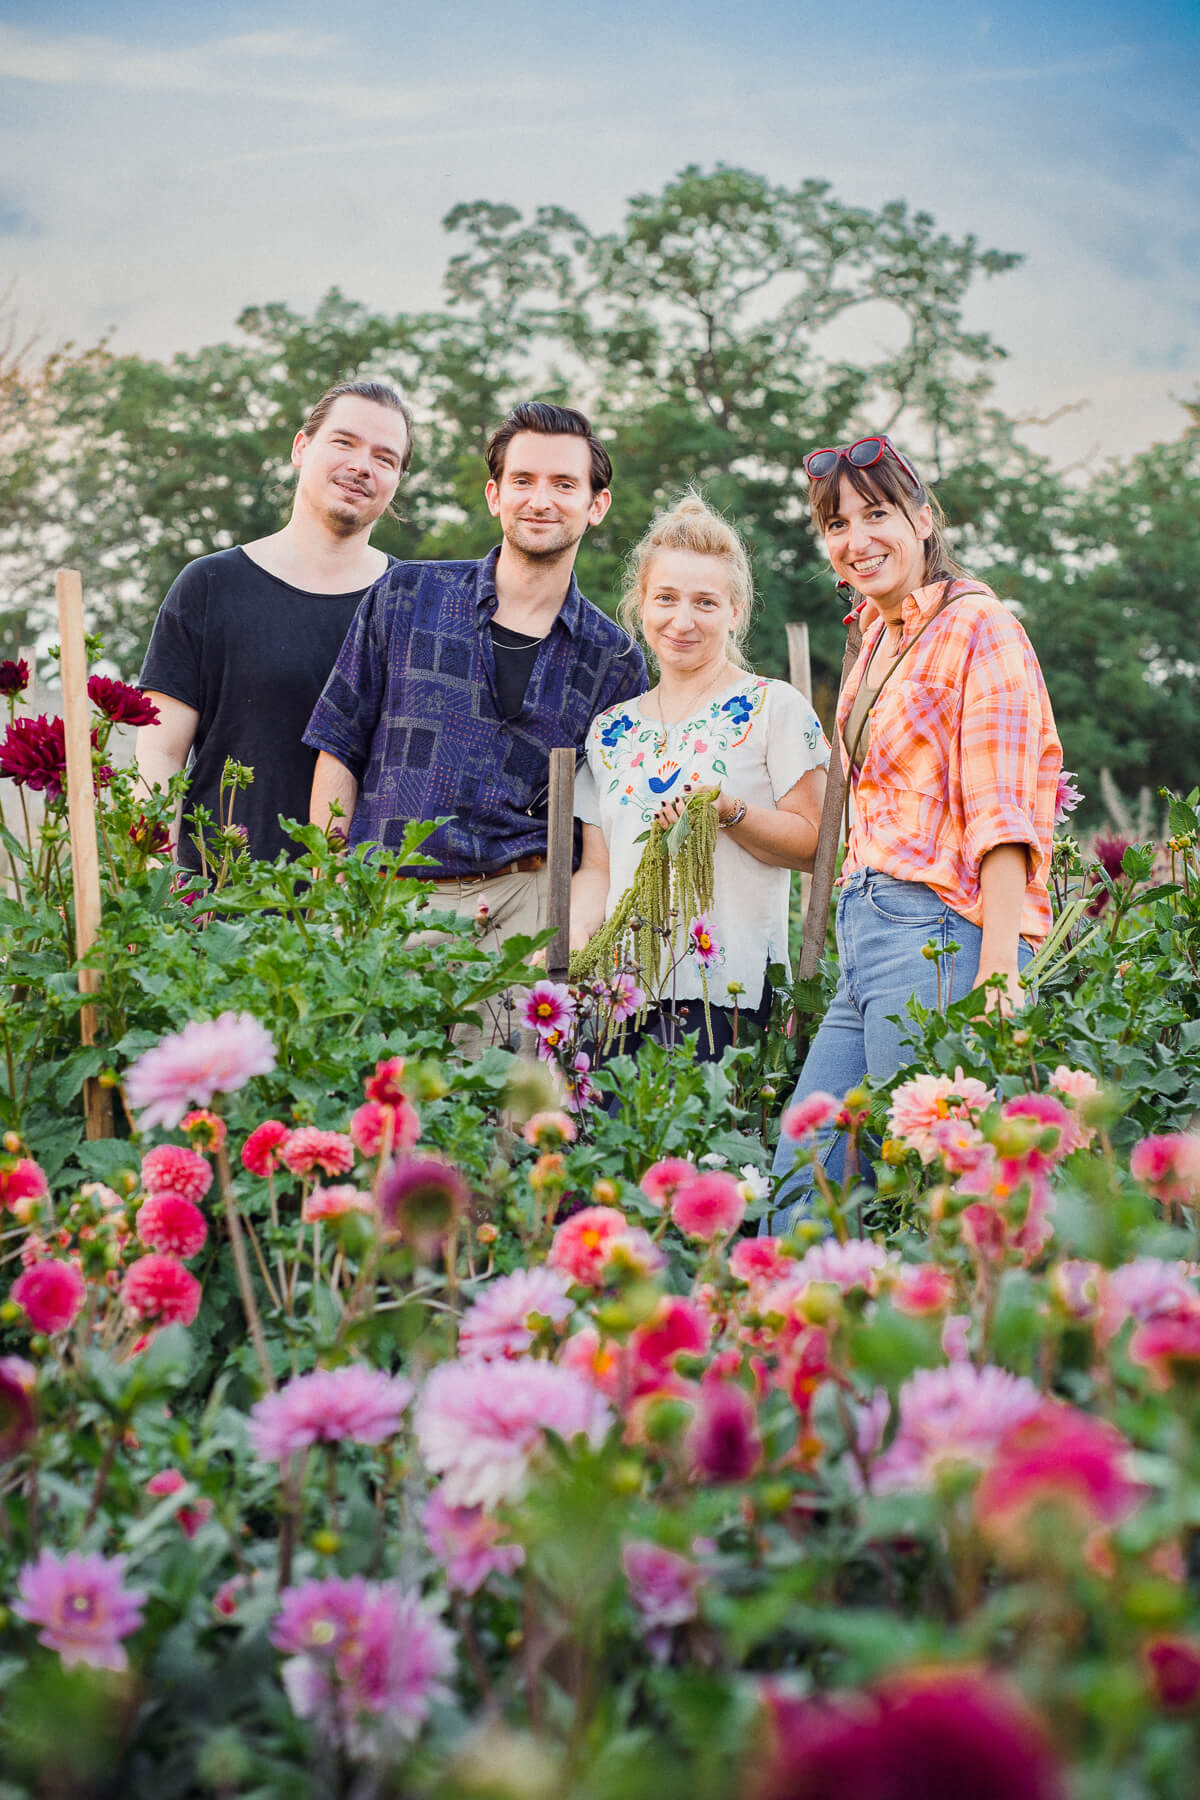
(515, 656)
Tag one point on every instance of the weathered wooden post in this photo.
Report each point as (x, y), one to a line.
(560, 843)
(81, 818)
(816, 916)
(799, 662)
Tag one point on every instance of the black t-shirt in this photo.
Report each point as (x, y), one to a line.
(251, 654)
(515, 654)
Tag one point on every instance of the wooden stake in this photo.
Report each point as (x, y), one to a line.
(559, 854)
(799, 665)
(81, 816)
(816, 916)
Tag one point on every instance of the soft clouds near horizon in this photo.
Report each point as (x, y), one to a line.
(163, 169)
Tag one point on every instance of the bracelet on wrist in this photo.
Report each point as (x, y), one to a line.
(736, 816)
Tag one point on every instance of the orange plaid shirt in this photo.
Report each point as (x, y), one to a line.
(963, 755)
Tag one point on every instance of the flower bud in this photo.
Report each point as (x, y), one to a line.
(487, 1234)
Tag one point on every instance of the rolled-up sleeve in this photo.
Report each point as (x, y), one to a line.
(1001, 743)
(346, 715)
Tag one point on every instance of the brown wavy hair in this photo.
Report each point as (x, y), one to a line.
(886, 481)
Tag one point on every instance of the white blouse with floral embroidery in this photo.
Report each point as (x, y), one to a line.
(757, 739)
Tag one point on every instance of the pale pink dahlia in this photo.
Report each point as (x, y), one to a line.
(208, 1057)
(327, 1406)
(858, 1263)
(811, 1114)
(550, 1007)
(160, 1291)
(663, 1587)
(51, 1294)
(918, 1105)
(334, 1203)
(308, 1149)
(1149, 1288)
(497, 1324)
(82, 1608)
(480, 1430)
(260, 1152)
(759, 1259)
(1077, 1087)
(171, 1169)
(1169, 1166)
(922, 1288)
(582, 1244)
(662, 1179)
(709, 1206)
(625, 998)
(167, 1221)
(466, 1541)
(958, 1414)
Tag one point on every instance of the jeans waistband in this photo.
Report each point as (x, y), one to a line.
(859, 880)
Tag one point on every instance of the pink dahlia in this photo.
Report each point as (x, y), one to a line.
(677, 1327)
(170, 1169)
(327, 1406)
(51, 1294)
(577, 1080)
(334, 1203)
(480, 1434)
(376, 1127)
(760, 1259)
(661, 1179)
(1169, 1166)
(204, 1130)
(813, 1113)
(723, 1441)
(918, 1105)
(1059, 1458)
(625, 999)
(1078, 1087)
(550, 1130)
(169, 1222)
(123, 704)
(208, 1057)
(703, 942)
(160, 1291)
(581, 1244)
(20, 1182)
(260, 1152)
(549, 1007)
(1066, 797)
(858, 1263)
(82, 1608)
(467, 1541)
(1167, 1347)
(308, 1149)
(959, 1414)
(18, 1420)
(1147, 1288)
(663, 1587)
(421, 1198)
(709, 1206)
(499, 1321)
(386, 1085)
(1055, 1128)
(919, 1289)
(188, 1518)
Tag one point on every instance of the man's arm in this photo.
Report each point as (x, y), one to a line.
(589, 888)
(162, 750)
(332, 781)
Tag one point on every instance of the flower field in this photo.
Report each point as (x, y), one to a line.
(376, 1424)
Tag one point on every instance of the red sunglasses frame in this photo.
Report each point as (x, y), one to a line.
(843, 450)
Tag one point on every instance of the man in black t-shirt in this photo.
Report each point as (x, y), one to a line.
(245, 639)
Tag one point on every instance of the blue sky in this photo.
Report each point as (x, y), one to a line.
(163, 166)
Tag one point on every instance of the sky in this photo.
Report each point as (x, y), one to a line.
(163, 166)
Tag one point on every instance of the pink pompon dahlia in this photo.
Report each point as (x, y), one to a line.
(123, 704)
(260, 1152)
(170, 1169)
(188, 1518)
(500, 1322)
(549, 1007)
(661, 1179)
(467, 1542)
(51, 1294)
(334, 1203)
(582, 1244)
(813, 1113)
(81, 1606)
(21, 1181)
(329, 1405)
(308, 1149)
(958, 1414)
(709, 1206)
(169, 1222)
(480, 1433)
(18, 1420)
(208, 1057)
(377, 1128)
(1169, 1166)
(204, 1130)
(703, 942)
(158, 1290)
(922, 1103)
(723, 1440)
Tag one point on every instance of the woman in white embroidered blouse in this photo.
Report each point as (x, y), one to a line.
(709, 722)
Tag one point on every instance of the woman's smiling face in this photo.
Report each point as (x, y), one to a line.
(688, 610)
(873, 544)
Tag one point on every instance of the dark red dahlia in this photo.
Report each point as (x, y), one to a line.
(14, 677)
(34, 755)
(123, 704)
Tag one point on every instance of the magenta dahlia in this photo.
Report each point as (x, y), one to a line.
(160, 1291)
(52, 1294)
(170, 1169)
(81, 1606)
(170, 1222)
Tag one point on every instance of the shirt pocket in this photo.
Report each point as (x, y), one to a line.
(913, 727)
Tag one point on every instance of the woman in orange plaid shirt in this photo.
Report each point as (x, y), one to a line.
(946, 730)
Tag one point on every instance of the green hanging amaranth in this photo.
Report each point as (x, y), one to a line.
(672, 885)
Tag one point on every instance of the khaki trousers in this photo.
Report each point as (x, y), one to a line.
(516, 906)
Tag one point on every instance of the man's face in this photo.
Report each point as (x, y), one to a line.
(350, 467)
(544, 499)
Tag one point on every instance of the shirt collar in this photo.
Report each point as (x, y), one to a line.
(569, 614)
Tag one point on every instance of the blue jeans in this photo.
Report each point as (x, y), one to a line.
(882, 927)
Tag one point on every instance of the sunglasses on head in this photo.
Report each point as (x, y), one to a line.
(860, 455)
